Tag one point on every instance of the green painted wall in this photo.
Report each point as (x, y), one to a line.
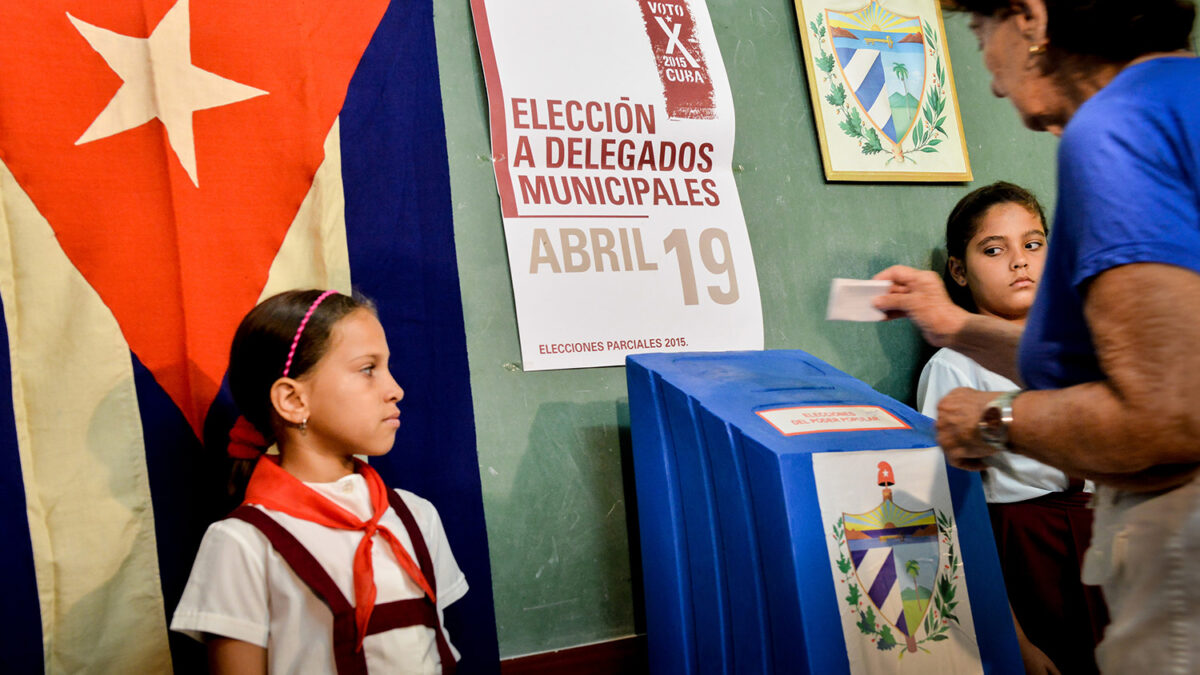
(554, 446)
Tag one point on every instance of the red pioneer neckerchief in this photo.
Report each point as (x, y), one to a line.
(273, 487)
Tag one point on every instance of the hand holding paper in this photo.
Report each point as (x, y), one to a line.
(851, 300)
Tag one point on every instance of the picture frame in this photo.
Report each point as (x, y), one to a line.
(876, 121)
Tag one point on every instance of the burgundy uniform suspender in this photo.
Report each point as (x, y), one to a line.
(449, 665)
(386, 616)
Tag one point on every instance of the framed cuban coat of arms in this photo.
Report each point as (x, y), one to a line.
(882, 90)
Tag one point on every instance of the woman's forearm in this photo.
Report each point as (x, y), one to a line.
(990, 342)
(1090, 432)
(1146, 413)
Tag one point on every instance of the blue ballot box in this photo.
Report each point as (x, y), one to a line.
(794, 520)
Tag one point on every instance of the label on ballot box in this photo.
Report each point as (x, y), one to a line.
(896, 562)
(811, 419)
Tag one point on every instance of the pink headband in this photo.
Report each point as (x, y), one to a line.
(300, 329)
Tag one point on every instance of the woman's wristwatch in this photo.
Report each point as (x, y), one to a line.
(996, 419)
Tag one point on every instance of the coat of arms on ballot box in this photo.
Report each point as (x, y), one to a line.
(894, 555)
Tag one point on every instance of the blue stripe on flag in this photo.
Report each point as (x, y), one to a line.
(871, 85)
(884, 580)
(186, 486)
(21, 620)
(890, 129)
(844, 55)
(400, 233)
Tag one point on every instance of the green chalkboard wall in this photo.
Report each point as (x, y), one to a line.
(554, 446)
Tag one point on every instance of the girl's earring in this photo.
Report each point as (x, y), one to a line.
(304, 426)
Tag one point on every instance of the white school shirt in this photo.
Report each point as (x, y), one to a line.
(1010, 477)
(240, 587)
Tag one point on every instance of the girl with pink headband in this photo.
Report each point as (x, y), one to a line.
(322, 569)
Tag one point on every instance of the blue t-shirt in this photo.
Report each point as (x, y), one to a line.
(1128, 192)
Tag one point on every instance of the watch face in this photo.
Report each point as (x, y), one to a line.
(991, 427)
(992, 417)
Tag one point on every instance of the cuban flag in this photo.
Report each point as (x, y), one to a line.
(165, 164)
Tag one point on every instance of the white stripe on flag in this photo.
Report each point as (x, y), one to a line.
(880, 110)
(83, 459)
(893, 604)
(869, 566)
(314, 253)
(858, 67)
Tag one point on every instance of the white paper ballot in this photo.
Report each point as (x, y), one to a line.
(850, 300)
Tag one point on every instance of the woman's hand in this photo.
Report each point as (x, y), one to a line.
(920, 296)
(958, 418)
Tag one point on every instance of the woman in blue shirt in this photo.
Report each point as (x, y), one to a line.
(1109, 353)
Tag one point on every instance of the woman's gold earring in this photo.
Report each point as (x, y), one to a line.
(1037, 49)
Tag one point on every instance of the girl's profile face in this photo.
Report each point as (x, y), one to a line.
(1004, 261)
(352, 397)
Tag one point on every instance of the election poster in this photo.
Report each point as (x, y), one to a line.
(612, 130)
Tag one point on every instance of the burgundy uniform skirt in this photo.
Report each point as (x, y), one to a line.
(1041, 543)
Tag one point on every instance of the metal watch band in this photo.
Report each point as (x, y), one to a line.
(996, 420)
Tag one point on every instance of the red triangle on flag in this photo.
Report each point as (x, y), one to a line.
(178, 262)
